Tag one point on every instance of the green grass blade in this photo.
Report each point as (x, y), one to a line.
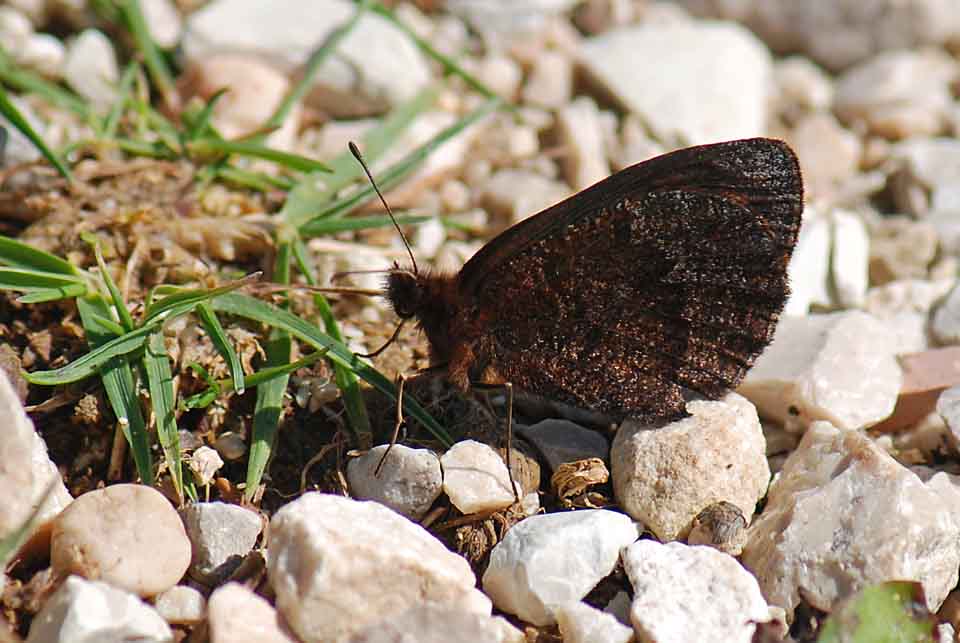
(322, 227)
(40, 295)
(30, 279)
(187, 299)
(266, 414)
(28, 82)
(152, 58)
(222, 343)
(119, 384)
(400, 170)
(118, 303)
(20, 255)
(269, 406)
(124, 90)
(346, 379)
(250, 308)
(314, 193)
(449, 65)
(156, 365)
(217, 387)
(209, 146)
(12, 114)
(254, 180)
(94, 361)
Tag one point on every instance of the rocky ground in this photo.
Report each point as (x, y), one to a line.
(833, 467)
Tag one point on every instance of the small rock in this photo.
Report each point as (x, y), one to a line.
(518, 194)
(83, 610)
(475, 478)
(688, 101)
(562, 441)
(163, 22)
(230, 445)
(90, 68)
(439, 624)
(722, 526)
(501, 74)
(102, 535)
(839, 367)
(905, 296)
(948, 406)
(15, 29)
(181, 605)
(221, 535)
(801, 547)
(502, 22)
(945, 325)
(339, 565)
(925, 376)
(665, 476)
(802, 86)
(550, 83)
(839, 34)
(237, 615)
(44, 54)
(429, 236)
(549, 559)
(254, 91)
(809, 266)
(898, 94)
(375, 67)
(684, 593)
(926, 185)
(829, 154)
(204, 463)
(901, 248)
(409, 482)
(636, 146)
(849, 259)
(580, 623)
(26, 467)
(578, 124)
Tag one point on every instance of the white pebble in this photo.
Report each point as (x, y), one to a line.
(409, 482)
(550, 559)
(475, 478)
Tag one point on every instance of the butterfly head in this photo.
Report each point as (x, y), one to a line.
(405, 292)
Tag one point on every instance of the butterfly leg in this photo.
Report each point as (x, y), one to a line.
(401, 380)
(508, 387)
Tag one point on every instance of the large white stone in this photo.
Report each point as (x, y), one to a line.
(26, 468)
(83, 611)
(408, 483)
(843, 515)
(665, 476)
(475, 478)
(684, 593)
(549, 559)
(376, 66)
(678, 77)
(338, 565)
(839, 367)
(128, 535)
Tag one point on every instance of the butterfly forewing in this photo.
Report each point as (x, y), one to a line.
(658, 284)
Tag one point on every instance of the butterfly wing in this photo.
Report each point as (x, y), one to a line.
(661, 283)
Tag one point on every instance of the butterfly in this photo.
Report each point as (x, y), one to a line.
(660, 284)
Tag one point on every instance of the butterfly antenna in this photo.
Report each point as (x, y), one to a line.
(356, 154)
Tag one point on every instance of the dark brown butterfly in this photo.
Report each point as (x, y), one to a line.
(659, 284)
